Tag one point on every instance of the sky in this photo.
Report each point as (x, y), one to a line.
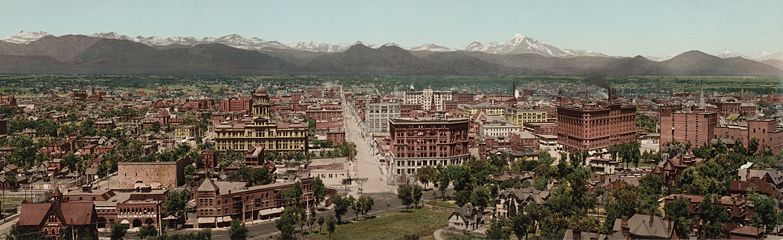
(614, 27)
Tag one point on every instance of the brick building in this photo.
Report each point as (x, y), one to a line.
(51, 218)
(157, 175)
(238, 104)
(692, 127)
(765, 132)
(323, 114)
(595, 127)
(131, 208)
(417, 143)
(218, 203)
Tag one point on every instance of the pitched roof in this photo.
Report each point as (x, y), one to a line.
(32, 214)
(640, 225)
(207, 186)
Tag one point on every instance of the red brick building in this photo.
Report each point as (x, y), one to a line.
(542, 128)
(765, 132)
(694, 128)
(218, 203)
(323, 114)
(133, 175)
(595, 127)
(417, 143)
(52, 217)
(240, 104)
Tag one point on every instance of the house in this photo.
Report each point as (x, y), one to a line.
(746, 232)
(603, 166)
(53, 217)
(772, 176)
(465, 218)
(517, 198)
(644, 226)
(571, 234)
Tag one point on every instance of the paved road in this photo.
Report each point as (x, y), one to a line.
(366, 165)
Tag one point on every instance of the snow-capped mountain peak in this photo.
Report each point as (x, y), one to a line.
(26, 37)
(112, 35)
(390, 44)
(432, 48)
(521, 44)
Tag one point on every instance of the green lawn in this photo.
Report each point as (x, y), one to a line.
(392, 225)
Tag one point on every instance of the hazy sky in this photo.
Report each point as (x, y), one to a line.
(615, 27)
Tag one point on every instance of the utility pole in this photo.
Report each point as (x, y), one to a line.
(73, 231)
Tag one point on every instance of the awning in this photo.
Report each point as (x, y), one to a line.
(203, 220)
(170, 217)
(124, 221)
(227, 219)
(270, 211)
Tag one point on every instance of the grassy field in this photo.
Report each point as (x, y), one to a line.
(392, 225)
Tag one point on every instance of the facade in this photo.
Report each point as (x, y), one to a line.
(378, 114)
(489, 109)
(541, 128)
(323, 114)
(157, 175)
(694, 128)
(131, 208)
(428, 99)
(245, 135)
(51, 218)
(522, 116)
(417, 143)
(219, 202)
(466, 218)
(239, 104)
(595, 127)
(498, 129)
(765, 132)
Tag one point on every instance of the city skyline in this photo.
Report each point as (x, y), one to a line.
(660, 28)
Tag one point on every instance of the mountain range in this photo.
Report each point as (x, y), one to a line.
(39, 52)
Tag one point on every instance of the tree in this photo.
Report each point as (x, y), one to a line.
(341, 205)
(405, 194)
(319, 190)
(175, 205)
(713, 217)
(331, 225)
(118, 231)
(238, 231)
(155, 127)
(321, 221)
(425, 175)
(148, 231)
(357, 207)
(365, 205)
(496, 230)
(766, 214)
(480, 197)
(189, 170)
(416, 194)
(677, 210)
(286, 224)
(20, 233)
(753, 146)
(521, 224)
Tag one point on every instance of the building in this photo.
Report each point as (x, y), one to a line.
(489, 109)
(603, 166)
(218, 203)
(595, 127)
(274, 137)
(417, 143)
(185, 132)
(378, 114)
(694, 128)
(238, 104)
(247, 134)
(498, 129)
(765, 132)
(428, 99)
(518, 198)
(332, 171)
(156, 175)
(644, 226)
(51, 218)
(466, 218)
(131, 208)
(520, 116)
(541, 128)
(323, 114)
